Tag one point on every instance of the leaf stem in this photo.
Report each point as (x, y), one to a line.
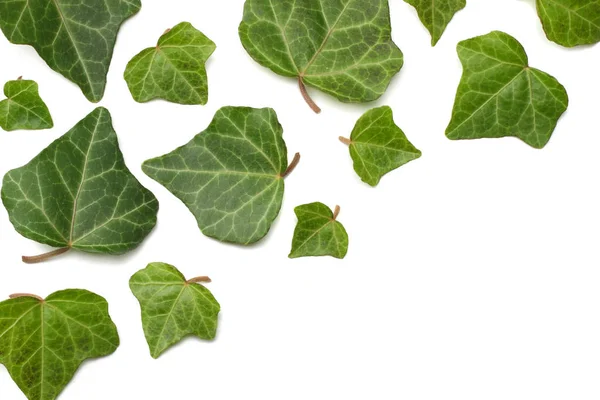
(199, 279)
(336, 212)
(307, 97)
(17, 295)
(345, 140)
(44, 257)
(292, 165)
(20, 78)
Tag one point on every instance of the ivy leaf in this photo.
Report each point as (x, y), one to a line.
(436, 15)
(318, 232)
(378, 146)
(174, 70)
(499, 95)
(43, 342)
(78, 194)
(231, 175)
(570, 23)
(23, 107)
(75, 38)
(343, 48)
(173, 307)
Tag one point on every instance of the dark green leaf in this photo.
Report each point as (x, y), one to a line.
(75, 37)
(78, 193)
(436, 14)
(23, 107)
(174, 70)
(231, 175)
(342, 47)
(43, 342)
(318, 232)
(378, 146)
(500, 95)
(173, 307)
(570, 22)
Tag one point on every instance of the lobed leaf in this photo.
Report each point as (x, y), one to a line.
(570, 23)
(23, 107)
(436, 15)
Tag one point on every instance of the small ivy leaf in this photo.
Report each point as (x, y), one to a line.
(343, 48)
(570, 23)
(436, 15)
(75, 38)
(231, 175)
(43, 342)
(173, 307)
(174, 70)
(318, 232)
(79, 194)
(23, 107)
(499, 95)
(378, 146)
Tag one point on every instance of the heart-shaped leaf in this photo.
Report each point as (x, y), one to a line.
(23, 107)
(378, 146)
(570, 23)
(75, 37)
(318, 232)
(43, 342)
(500, 95)
(78, 194)
(436, 14)
(231, 175)
(173, 307)
(174, 70)
(343, 48)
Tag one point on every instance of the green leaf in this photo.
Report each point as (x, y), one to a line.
(43, 342)
(318, 232)
(436, 14)
(174, 70)
(570, 23)
(499, 95)
(342, 47)
(378, 146)
(75, 37)
(231, 175)
(23, 107)
(78, 193)
(173, 307)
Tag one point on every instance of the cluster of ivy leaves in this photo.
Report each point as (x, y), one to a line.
(79, 195)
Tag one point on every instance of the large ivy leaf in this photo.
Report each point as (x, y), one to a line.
(342, 47)
(378, 146)
(436, 14)
(75, 37)
(174, 70)
(43, 342)
(173, 307)
(318, 233)
(500, 95)
(231, 175)
(23, 107)
(570, 23)
(78, 194)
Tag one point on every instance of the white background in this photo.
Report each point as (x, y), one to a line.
(473, 272)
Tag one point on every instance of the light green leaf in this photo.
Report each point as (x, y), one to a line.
(173, 307)
(436, 14)
(318, 232)
(174, 70)
(499, 95)
(570, 23)
(43, 342)
(378, 146)
(231, 175)
(78, 194)
(23, 107)
(342, 47)
(75, 37)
